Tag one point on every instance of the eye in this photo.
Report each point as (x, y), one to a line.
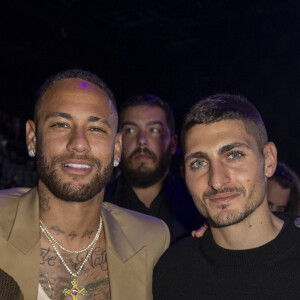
(198, 164)
(154, 130)
(97, 129)
(236, 155)
(129, 130)
(60, 125)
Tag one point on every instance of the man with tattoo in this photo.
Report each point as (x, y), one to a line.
(58, 240)
(247, 252)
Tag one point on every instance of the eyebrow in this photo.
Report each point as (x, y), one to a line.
(155, 123)
(128, 123)
(148, 124)
(229, 147)
(58, 114)
(198, 154)
(69, 117)
(224, 149)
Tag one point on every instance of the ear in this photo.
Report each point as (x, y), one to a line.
(118, 146)
(31, 135)
(270, 156)
(174, 142)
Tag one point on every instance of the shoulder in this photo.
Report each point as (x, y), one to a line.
(9, 203)
(133, 218)
(174, 267)
(16, 192)
(181, 256)
(136, 222)
(291, 223)
(177, 252)
(132, 230)
(11, 197)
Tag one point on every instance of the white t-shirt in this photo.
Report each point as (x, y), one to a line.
(41, 294)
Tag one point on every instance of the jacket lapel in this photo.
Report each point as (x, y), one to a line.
(126, 264)
(25, 232)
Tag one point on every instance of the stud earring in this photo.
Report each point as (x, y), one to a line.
(31, 152)
(116, 162)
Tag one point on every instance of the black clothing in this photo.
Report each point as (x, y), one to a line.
(197, 269)
(173, 204)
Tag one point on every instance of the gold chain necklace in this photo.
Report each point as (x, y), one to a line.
(74, 291)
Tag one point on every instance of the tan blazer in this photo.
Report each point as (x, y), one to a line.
(134, 243)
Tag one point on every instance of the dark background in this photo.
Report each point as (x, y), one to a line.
(181, 50)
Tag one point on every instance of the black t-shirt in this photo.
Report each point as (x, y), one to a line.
(197, 269)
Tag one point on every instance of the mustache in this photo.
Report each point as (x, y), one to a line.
(210, 193)
(143, 150)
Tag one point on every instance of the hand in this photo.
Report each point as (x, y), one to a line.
(200, 232)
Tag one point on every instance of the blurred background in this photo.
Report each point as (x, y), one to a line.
(180, 50)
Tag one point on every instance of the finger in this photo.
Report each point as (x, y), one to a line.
(200, 232)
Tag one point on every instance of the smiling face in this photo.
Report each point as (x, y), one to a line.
(147, 144)
(226, 172)
(76, 140)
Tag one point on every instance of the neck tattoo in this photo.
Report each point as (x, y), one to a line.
(74, 291)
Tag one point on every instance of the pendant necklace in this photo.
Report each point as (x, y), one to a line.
(74, 291)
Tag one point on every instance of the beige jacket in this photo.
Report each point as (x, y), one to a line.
(134, 243)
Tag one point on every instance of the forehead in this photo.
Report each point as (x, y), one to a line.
(143, 114)
(212, 137)
(76, 96)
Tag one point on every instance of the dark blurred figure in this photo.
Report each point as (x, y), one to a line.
(146, 183)
(284, 190)
(16, 169)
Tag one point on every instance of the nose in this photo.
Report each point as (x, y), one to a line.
(78, 142)
(218, 176)
(142, 138)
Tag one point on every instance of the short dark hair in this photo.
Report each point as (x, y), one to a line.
(68, 74)
(151, 100)
(288, 179)
(226, 107)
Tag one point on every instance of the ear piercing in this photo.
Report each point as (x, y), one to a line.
(116, 162)
(31, 152)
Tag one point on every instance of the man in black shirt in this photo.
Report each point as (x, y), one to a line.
(146, 183)
(248, 252)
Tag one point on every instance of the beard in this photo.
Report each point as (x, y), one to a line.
(142, 176)
(252, 202)
(72, 191)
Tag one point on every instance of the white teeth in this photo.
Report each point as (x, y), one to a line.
(78, 166)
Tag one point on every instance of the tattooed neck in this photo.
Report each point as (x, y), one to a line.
(44, 199)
